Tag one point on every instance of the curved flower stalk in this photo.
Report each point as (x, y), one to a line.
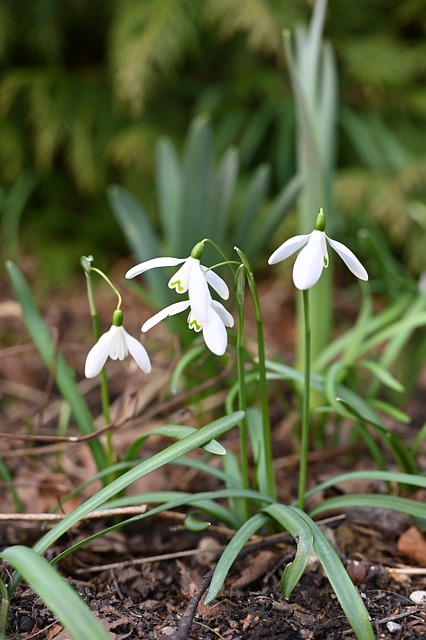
(314, 256)
(117, 344)
(213, 327)
(192, 277)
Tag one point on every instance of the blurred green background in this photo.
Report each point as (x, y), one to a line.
(88, 88)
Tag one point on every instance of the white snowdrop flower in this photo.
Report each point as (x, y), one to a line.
(117, 344)
(192, 277)
(213, 327)
(314, 255)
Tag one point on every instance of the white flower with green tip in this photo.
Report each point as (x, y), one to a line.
(192, 277)
(314, 256)
(213, 328)
(117, 344)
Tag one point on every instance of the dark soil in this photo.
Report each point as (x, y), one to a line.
(149, 581)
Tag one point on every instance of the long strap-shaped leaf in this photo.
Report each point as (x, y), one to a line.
(55, 593)
(374, 501)
(343, 587)
(64, 376)
(232, 550)
(298, 528)
(176, 450)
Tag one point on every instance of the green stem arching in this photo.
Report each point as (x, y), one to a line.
(304, 443)
(105, 397)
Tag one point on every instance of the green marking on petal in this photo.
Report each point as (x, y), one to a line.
(194, 324)
(178, 285)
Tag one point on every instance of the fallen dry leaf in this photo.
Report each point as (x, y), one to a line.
(412, 544)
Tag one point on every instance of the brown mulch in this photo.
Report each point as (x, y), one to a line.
(149, 580)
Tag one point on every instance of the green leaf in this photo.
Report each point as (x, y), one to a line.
(354, 500)
(223, 190)
(185, 360)
(198, 167)
(54, 361)
(232, 550)
(59, 596)
(382, 374)
(178, 431)
(174, 451)
(204, 500)
(195, 524)
(346, 593)
(169, 184)
(265, 226)
(290, 521)
(385, 476)
(392, 411)
(141, 237)
(256, 194)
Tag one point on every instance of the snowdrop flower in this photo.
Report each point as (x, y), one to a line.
(115, 343)
(213, 328)
(192, 277)
(314, 256)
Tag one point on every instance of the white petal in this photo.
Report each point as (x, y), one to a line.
(199, 294)
(289, 247)
(98, 355)
(216, 282)
(118, 349)
(349, 258)
(138, 352)
(310, 262)
(214, 334)
(180, 280)
(223, 314)
(171, 310)
(151, 264)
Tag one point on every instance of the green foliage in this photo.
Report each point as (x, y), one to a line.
(55, 592)
(55, 362)
(85, 92)
(199, 198)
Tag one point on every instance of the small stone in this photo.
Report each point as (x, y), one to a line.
(26, 624)
(393, 627)
(168, 631)
(418, 597)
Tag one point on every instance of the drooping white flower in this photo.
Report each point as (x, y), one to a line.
(117, 344)
(314, 255)
(192, 277)
(213, 328)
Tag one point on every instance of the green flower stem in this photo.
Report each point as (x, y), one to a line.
(242, 396)
(4, 608)
(303, 468)
(267, 458)
(105, 397)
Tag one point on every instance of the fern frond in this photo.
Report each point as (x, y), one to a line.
(254, 17)
(380, 61)
(147, 40)
(11, 151)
